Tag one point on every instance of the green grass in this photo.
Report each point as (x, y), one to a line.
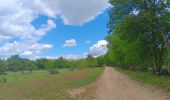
(149, 78)
(40, 85)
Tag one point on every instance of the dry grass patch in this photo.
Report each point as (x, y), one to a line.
(40, 85)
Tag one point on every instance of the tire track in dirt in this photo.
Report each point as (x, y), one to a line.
(114, 85)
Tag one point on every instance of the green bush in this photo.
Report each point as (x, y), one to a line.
(71, 68)
(3, 79)
(26, 72)
(54, 71)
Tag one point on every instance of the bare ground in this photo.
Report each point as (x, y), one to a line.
(114, 85)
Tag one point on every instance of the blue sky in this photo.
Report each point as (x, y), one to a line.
(43, 28)
(92, 31)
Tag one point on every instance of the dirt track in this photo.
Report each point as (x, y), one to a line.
(113, 85)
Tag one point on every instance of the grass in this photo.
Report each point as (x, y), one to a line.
(149, 78)
(40, 85)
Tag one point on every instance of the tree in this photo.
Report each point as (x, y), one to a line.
(28, 65)
(90, 61)
(61, 63)
(14, 63)
(100, 61)
(49, 64)
(143, 23)
(2, 67)
(40, 63)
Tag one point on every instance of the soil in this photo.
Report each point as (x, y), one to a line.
(114, 85)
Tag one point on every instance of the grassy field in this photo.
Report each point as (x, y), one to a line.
(149, 78)
(40, 85)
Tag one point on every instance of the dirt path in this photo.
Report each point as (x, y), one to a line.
(113, 85)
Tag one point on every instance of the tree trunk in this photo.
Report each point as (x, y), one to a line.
(153, 69)
(167, 44)
(168, 48)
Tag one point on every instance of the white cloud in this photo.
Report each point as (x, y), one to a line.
(73, 12)
(24, 49)
(100, 48)
(45, 28)
(50, 57)
(81, 11)
(70, 43)
(71, 56)
(16, 17)
(27, 53)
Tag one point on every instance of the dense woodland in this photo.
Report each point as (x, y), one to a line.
(139, 34)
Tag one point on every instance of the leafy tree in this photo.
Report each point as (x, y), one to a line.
(28, 65)
(61, 63)
(100, 61)
(14, 63)
(90, 61)
(2, 67)
(40, 63)
(143, 25)
(49, 64)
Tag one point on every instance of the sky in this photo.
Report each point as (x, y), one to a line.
(53, 28)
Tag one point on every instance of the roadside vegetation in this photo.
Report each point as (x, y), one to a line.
(147, 77)
(138, 40)
(139, 35)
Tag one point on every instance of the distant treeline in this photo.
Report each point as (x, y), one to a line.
(139, 35)
(15, 63)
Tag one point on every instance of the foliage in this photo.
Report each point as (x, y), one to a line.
(28, 65)
(100, 61)
(149, 78)
(49, 64)
(90, 61)
(139, 31)
(2, 67)
(14, 63)
(40, 63)
(61, 63)
(3, 79)
(54, 71)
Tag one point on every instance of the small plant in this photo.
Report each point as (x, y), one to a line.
(71, 68)
(54, 71)
(16, 79)
(26, 72)
(3, 80)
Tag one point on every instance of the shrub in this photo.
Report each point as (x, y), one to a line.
(26, 72)
(71, 68)
(54, 71)
(3, 79)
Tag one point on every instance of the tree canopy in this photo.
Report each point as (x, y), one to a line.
(139, 33)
